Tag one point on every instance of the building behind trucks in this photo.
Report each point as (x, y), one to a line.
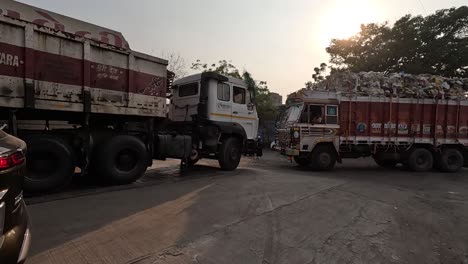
(320, 128)
(80, 97)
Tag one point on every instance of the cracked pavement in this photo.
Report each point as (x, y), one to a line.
(268, 211)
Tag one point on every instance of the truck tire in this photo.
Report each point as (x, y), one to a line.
(323, 158)
(230, 154)
(450, 160)
(195, 156)
(120, 160)
(301, 161)
(420, 159)
(50, 164)
(388, 164)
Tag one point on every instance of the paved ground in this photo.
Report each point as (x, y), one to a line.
(268, 211)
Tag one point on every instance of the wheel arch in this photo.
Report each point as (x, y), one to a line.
(331, 146)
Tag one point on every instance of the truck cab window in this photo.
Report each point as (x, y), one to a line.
(224, 92)
(239, 95)
(316, 114)
(332, 114)
(188, 89)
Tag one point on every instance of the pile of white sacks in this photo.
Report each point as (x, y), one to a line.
(396, 84)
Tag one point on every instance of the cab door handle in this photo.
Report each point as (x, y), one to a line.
(235, 112)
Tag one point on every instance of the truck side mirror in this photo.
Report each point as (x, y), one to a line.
(250, 106)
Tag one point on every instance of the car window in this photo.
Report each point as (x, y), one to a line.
(239, 95)
(224, 92)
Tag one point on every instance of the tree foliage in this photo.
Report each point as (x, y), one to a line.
(435, 44)
(223, 67)
(319, 72)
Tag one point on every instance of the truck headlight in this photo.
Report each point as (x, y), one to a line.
(296, 134)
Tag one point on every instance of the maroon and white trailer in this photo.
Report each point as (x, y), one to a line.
(80, 97)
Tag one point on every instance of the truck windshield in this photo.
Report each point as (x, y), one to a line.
(292, 114)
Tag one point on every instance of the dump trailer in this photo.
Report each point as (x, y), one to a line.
(320, 128)
(87, 104)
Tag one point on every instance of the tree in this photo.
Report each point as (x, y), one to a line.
(223, 67)
(435, 44)
(176, 64)
(320, 72)
(309, 85)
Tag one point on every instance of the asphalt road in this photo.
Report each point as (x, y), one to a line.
(267, 211)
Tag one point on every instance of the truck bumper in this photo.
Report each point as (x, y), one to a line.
(291, 152)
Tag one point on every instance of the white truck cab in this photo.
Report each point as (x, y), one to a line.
(219, 109)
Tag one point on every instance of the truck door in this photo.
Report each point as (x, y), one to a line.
(243, 112)
(221, 108)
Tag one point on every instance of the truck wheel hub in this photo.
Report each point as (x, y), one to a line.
(41, 166)
(234, 154)
(324, 158)
(126, 160)
(452, 160)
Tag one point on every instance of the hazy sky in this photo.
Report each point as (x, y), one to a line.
(278, 41)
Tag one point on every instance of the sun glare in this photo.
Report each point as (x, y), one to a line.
(344, 18)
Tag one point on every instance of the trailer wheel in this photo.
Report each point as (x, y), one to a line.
(121, 160)
(303, 162)
(230, 154)
(323, 158)
(420, 159)
(450, 160)
(50, 164)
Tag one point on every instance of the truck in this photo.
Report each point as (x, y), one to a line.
(87, 104)
(320, 128)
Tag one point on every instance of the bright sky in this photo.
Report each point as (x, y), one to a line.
(278, 41)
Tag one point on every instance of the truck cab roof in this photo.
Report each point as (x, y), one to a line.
(198, 77)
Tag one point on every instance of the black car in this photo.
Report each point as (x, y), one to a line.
(15, 237)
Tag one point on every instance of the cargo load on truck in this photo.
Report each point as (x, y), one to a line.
(396, 84)
(320, 128)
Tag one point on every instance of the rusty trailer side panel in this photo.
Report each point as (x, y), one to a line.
(403, 120)
(49, 69)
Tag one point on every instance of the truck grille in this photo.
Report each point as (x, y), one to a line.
(284, 137)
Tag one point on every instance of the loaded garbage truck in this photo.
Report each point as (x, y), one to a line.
(86, 103)
(320, 128)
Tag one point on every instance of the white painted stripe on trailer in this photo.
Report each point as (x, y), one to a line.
(12, 34)
(53, 44)
(410, 140)
(65, 97)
